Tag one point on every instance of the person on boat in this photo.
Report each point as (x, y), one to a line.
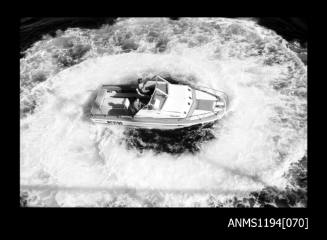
(145, 87)
(136, 106)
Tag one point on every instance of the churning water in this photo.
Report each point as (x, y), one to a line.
(66, 160)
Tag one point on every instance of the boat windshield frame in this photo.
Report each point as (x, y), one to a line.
(158, 93)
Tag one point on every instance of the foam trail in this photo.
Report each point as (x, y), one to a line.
(64, 156)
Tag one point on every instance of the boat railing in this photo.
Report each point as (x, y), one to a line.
(214, 92)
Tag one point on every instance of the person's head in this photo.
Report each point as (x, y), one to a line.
(139, 80)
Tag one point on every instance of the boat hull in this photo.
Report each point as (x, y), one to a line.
(153, 123)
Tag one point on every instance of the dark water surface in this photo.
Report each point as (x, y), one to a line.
(32, 29)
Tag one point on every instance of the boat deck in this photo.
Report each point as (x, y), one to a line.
(115, 101)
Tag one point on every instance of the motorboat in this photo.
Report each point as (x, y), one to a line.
(166, 106)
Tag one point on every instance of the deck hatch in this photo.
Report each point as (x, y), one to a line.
(205, 105)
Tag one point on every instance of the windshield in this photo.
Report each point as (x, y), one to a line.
(162, 86)
(159, 95)
(157, 100)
